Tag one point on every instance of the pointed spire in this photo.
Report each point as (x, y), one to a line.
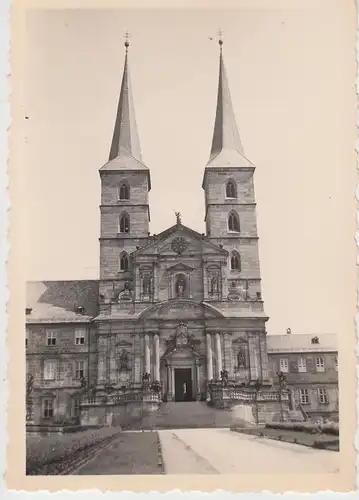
(226, 144)
(125, 140)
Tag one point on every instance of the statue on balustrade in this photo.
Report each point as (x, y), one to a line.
(224, 377)
(146, 381)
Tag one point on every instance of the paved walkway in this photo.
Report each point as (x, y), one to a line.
(220, 451)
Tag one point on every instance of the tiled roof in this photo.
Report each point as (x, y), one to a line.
(301, 342)
(55, 301)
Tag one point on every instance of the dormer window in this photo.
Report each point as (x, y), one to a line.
(231, 191)
(28, 311)
(233, 222)
(315, 340)
(79, 310)
(124, 192)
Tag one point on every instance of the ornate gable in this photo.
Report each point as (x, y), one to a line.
(179, 240)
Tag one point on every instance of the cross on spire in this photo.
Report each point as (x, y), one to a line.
(220, 37)
(127, 35)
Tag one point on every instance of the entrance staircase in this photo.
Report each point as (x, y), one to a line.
(188, 415)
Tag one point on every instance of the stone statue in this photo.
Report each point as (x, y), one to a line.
(146, 284)
(178, 218)
(224, 377)
(214, 285)
(241, 358)
(180, 286)
(123, 360)
(126, 294)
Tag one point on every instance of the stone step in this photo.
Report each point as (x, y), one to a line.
(190, 415)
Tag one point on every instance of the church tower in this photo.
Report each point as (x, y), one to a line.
(230, 208)
(125, 185)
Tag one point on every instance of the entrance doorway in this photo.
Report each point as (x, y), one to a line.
(183, 384)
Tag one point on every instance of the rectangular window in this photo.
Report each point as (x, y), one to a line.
(51, 338)
(283, 365)
(323, 396)
(48, 408)
(319, 364)
(304, 396)
(80, 336)
(80, 369)
(302, 365)
(77, 407)
(336, 363)
(50, 370)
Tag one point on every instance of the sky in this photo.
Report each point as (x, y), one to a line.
(291, 79)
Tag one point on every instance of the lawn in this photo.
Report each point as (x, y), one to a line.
(325, 441)
(51, 454)
(130, 453)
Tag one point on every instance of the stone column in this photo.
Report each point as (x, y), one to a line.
(198, 387)
(169, 383)
(173, 382)
(157, 357)
(218, 355)
(112, 360)
(253, 356)
(137, 285)
(264, 356)
(147, 354)
(137, 361)
(209, 357)
(228, 355)
(154, 283)
(101, 374)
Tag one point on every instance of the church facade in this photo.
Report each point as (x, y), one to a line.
(178, 315)
(180, 308)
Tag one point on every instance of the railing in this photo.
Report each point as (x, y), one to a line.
(121, 399)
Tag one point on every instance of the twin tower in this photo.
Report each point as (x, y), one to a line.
(230, 209)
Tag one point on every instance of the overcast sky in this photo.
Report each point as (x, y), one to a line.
(288, 74)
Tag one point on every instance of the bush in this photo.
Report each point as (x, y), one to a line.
(309, 427)
(43, 451)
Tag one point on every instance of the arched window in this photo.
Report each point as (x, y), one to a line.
(124, 223)
(124, 191)
(233, 222)
(124, 262)
(231, 191)
(235, 261)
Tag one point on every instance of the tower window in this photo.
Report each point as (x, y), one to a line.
(124, 224)
(233, 222)
(124, 263)
(231, 189)
(235, 261)
(124, 191)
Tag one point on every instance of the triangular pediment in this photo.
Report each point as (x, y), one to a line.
(181, 241)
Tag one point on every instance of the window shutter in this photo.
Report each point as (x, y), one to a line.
(310, 364)
(293, 366)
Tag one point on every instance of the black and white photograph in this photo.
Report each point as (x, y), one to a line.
(189, 243)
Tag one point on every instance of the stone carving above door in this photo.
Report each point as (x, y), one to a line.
(181, 340)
